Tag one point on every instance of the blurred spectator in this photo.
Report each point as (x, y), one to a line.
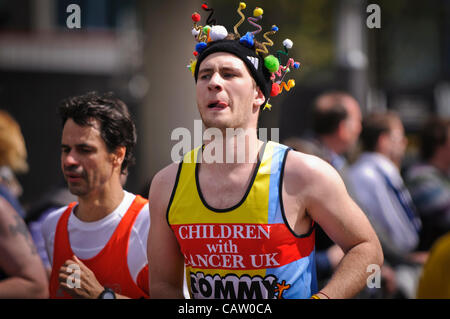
(377, 186)
(337, 125)
(13, 160)
(21, 272)
(429, 181)
(435, 279)
(336, 128)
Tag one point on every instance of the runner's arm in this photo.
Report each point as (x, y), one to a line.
(327, 202)
(166, 263)
(19, 258)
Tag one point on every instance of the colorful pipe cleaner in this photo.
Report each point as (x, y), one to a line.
(278, 65)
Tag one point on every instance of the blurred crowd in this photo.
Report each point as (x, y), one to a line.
(407, 204)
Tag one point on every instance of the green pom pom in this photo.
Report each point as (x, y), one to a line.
(271, 63)
(206, 28)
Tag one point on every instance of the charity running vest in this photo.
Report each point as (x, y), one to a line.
(110, 265)
(247, 251)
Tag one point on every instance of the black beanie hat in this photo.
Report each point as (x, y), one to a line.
(254, 62)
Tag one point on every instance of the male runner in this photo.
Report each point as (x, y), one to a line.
(97, 245)
(246, 229)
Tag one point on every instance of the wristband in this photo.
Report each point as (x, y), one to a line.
(320, 292)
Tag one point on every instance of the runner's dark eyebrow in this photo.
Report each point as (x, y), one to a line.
(225, 68)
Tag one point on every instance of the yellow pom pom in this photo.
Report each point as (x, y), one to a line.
(291, 83)
(242, 5)
(258, 12)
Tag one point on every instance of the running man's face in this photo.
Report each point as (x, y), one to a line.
(86, 163)
(227, 95)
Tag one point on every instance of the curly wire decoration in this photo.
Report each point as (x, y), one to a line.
(268, 42)
(202, 37)
(199, 37)
(283, 70)
(242, 5)
(252, 21)
(196, 18)
(285, 52)
(290, 84)
(209, 20)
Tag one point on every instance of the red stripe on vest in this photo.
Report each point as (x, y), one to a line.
(240, 246)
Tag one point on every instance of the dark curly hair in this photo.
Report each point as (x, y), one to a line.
(116, 126)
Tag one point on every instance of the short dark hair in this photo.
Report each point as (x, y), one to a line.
(433, 134)
(374, 125)
(327, 118)
(116, 126)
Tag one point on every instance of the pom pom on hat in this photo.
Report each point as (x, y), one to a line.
(271, 63)
(200, 47)
(247, 40)
(196, 17)
(218, 32)
(275, 89)
(211, 38)
(287, 43)
(206, 28)
(258, 12)
(195, 32)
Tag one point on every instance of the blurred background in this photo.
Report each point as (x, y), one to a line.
(139, 49)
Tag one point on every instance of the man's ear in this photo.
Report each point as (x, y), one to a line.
(119, 155)
(259, 98)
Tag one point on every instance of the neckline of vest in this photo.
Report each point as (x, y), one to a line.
(225, 210)
(126, 219)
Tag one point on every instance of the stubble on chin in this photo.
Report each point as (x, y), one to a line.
(77, 191)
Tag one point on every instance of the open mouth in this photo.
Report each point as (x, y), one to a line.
(217, 105)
